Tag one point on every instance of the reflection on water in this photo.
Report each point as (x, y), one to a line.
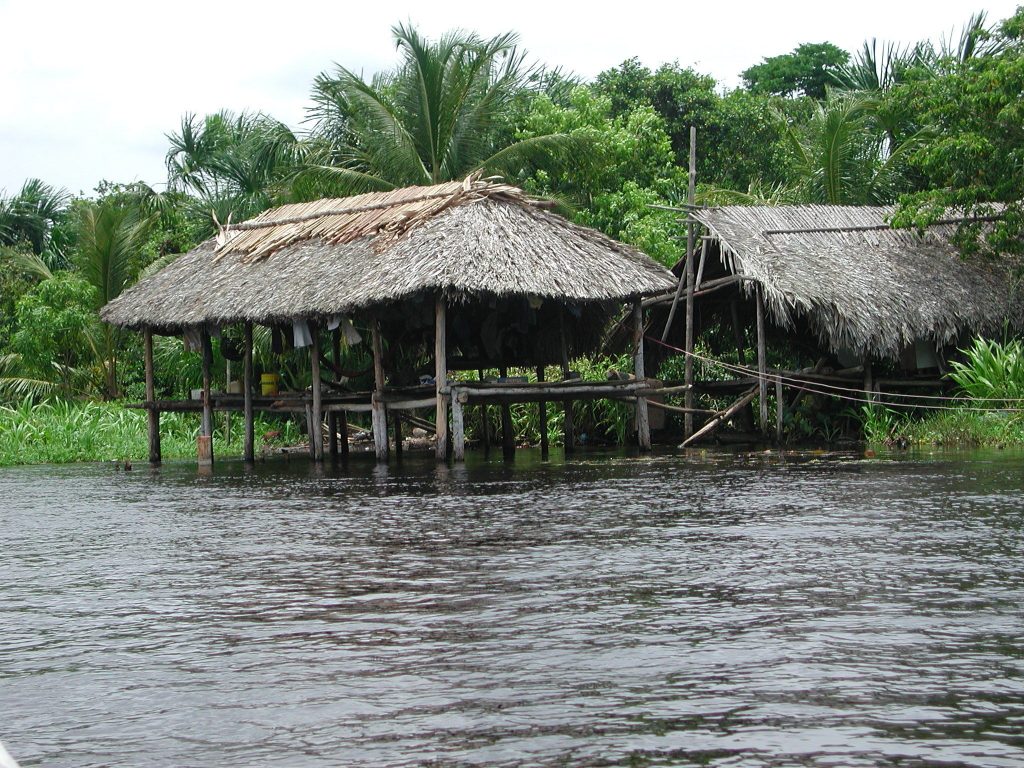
(609, 611)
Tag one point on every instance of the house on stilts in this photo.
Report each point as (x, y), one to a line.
(473, 274)
(842, 284)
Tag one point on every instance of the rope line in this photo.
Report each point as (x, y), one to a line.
(857, 395)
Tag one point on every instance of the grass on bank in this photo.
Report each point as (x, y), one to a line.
(60, 431)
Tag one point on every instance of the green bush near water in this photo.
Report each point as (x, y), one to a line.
(61, 431)
(988, 413)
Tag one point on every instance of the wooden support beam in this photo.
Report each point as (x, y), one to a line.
(378, 411)
(569, 439)
(643, 425)
(249, 447)
(153, 413)
(542, 419)
(686, 279)
(779, 409)
(485, 423)
(720, 418)
(316, 434)
(458, 430)
(205, 449)
(508, 438)
(441, 374)
(332, 416)
(762, 361)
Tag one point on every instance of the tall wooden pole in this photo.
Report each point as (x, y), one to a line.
(378, 414)
(152, 412)
(762, 361)
(643, 426)
(441, 375)
(332, 416)
(688, 363)
(542, 419)
(249, 448)
(508, 438)
(567, 422)
(685, 278)
(316, 432)
(206, 430)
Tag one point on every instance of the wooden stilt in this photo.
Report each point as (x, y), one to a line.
(151, 411)
(249, 448)
(378, 413)
(686, 279)
(508, 438)
(643, 426)
(542, 419)
(441, 375)
(458, 431)
(332, 416)
(779, 409)
(567, 422)
(762, 361)
(316, 434)
(309, 431)
(745, 418)
(485, 424)
(206, 430)
(343, 429)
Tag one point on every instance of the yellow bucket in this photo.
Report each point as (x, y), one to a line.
(268, 383)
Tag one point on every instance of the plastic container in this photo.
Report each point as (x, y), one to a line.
(269, 383)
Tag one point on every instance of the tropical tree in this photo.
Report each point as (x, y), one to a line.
(110, 238)
(233, 166)
(806, 71)
(31, 216)
(437, 117)
(844, 156)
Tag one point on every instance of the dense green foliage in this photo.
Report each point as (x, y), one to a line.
(933, 125)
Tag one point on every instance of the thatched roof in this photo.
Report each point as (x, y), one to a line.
(860, 284)
(336, 256)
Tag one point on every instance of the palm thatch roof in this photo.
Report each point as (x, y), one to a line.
(860, 284)
(316, 260)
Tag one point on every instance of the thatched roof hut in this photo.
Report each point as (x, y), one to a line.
(317, 260)
(859, 284)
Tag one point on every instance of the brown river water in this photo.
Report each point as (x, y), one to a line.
(724, 610)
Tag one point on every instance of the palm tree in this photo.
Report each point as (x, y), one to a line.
(234, 165)
(437, 117)
(110, 237)
(30, 216)
(845, 154)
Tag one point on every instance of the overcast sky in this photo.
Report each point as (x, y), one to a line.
(88, 90)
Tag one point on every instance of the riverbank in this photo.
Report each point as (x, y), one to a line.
(958, 427)
(62, 432)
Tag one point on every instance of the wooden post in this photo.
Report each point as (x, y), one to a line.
(779, 406)
(343, 429)
(227, 414)
(485, 423)
(745, 417)
(317, 431)
(762, 361)
(247, 384)
(153, 413)
(378, 413)
(868, 380)
(508, 438)
(458, 430)
(332, 416)
(567, 423)
(441, 375)
(205, 448)
(690, 280)
(542, 419)
(643, 426)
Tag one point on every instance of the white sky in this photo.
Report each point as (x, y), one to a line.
(88, 90)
